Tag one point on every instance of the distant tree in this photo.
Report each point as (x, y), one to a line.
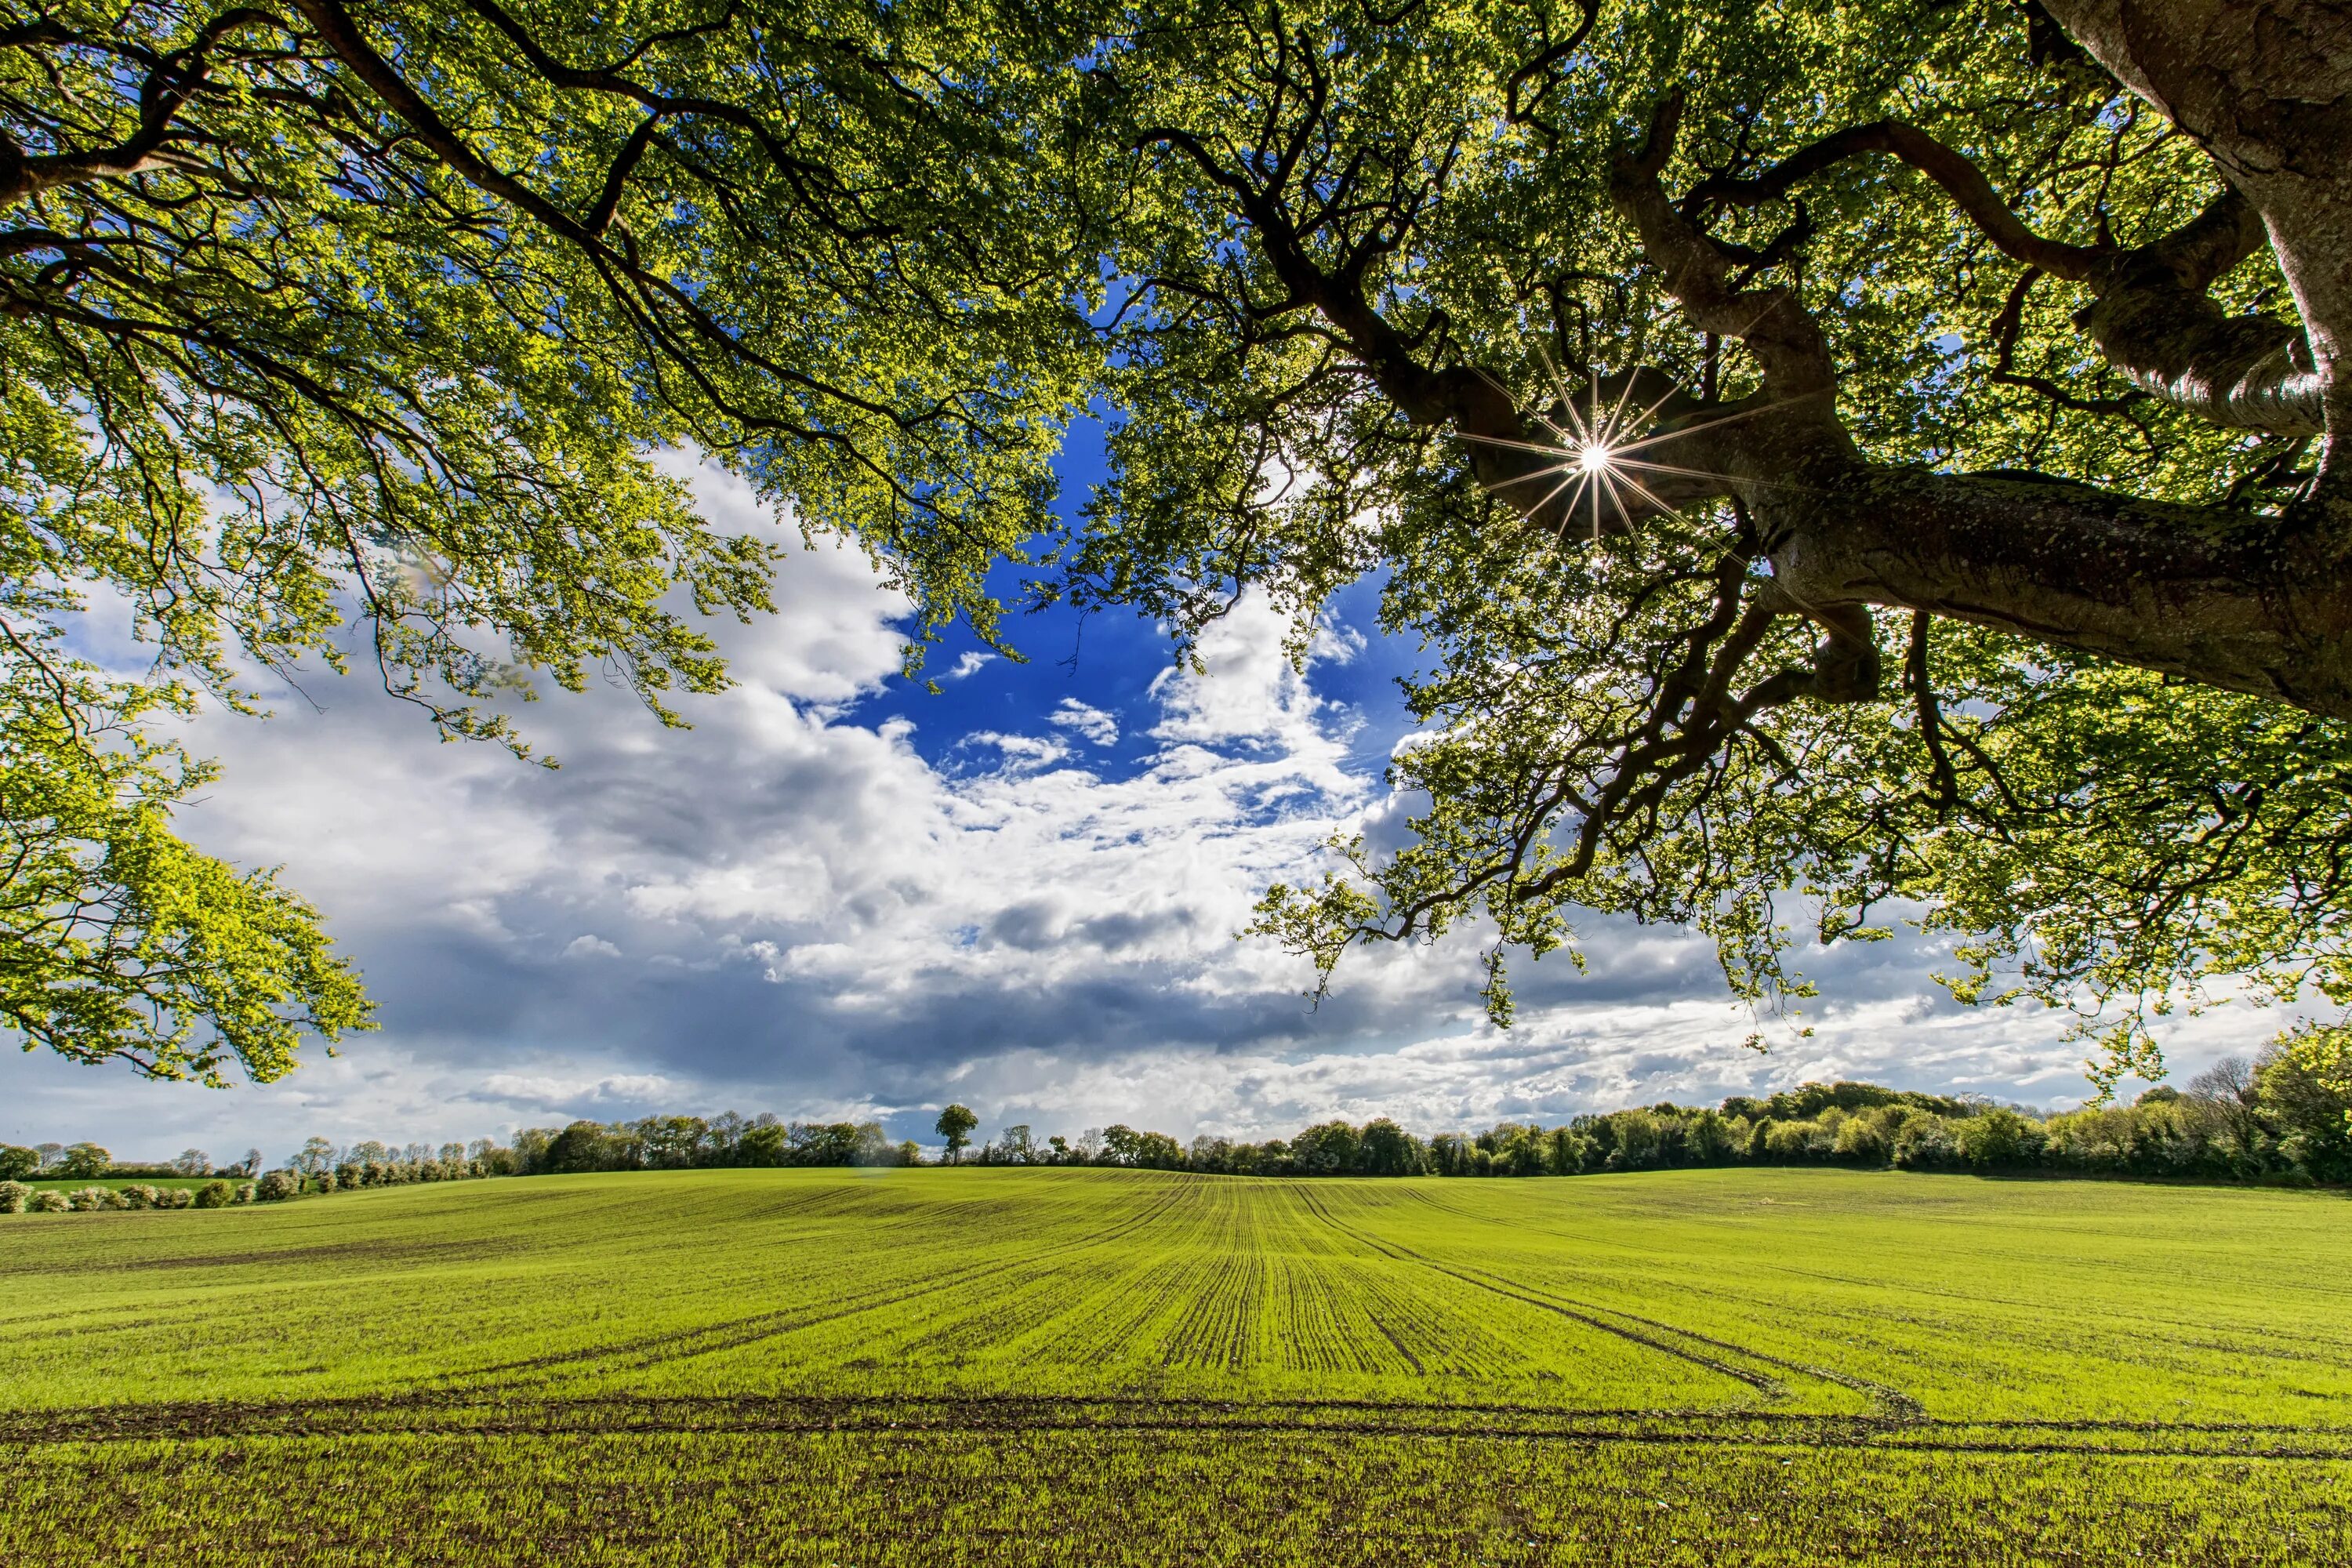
(582, 1146)
(251, 1163)
(17, 1162)
(2227, 1085)
(1061, 1149)
(955, 1125)
(1020, 1147)
(2000, 1139)
(193, 1162)
(84, 1160)
(530, 1145)
(453, 1154)
(763, 1145)
(50, 1154)
(722, 1137)
(822, 1143)
(1385, 1149)
(671, 1142)
(315, 1155)
(1325, 1149)
(2309, 1100)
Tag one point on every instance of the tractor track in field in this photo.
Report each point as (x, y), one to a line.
(453, 1416)
(1894, 1406)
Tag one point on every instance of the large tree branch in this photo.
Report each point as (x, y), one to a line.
(2223, 598)
(2150, 318)
(2153, 321)
(1966, 183)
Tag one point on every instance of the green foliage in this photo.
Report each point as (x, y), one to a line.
(84, 1160)
(17, 1162)
(307, 376)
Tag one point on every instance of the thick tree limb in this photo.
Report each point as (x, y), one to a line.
(2245, 602)
(2150, 318)
(2154, 322)
(1960, 178)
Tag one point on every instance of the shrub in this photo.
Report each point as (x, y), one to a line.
(174, 1198)
(214, 1195)
(1999, 1139)
(277, 1186)
(327, 1181)
(1788, 1139)
(90, 1200)
(12, 1196)
(49, 1200)
(138, 1196)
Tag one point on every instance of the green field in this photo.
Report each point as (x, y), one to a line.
(1779, 1366)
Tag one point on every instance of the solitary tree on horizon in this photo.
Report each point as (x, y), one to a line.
(955, 1125)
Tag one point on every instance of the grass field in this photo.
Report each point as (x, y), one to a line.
(1047, 1366)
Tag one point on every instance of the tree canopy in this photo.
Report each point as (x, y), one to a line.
(1845, 464)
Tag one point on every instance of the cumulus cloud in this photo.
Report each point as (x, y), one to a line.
(1089, 722)
(966, 665)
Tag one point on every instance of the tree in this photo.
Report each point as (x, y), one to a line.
(1385, 1149)
(344, 317)
(954, 1126)
(193, 1162)
(85, 1160)
(1837, 455)
(1885, 456)
(17, 1163)
(316, 1154)
(583, 1146)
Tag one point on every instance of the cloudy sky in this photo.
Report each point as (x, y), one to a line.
(839, 895)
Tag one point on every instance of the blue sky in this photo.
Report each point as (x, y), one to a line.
(840, 896)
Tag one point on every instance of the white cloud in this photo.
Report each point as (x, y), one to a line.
(968, 665)
(1092, 722)
(589, 946)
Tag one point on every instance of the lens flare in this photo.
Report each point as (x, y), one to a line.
(1592, 457)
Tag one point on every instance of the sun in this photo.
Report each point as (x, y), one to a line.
(1593, 450)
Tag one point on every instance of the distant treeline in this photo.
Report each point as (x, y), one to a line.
(2270, 1119)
